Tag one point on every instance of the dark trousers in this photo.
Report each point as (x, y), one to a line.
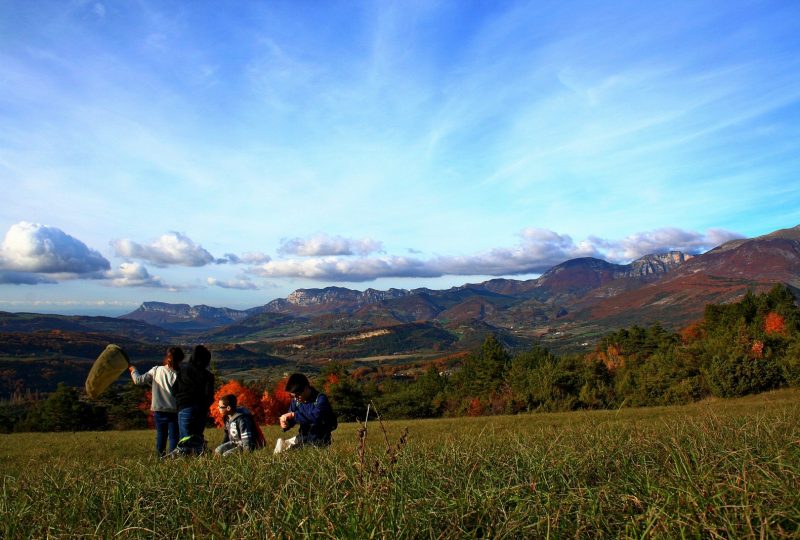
(192, 423)
(166, 428)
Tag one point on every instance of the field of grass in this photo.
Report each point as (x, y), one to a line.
(717, 469)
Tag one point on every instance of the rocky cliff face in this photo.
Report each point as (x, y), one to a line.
(312, 302)
(655, 264)
(183, 315)
(336, 295)
(185, 311)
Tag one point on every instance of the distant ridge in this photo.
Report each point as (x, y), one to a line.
(549, 295)
(183, 317)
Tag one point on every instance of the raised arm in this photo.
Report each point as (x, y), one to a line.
(138, 379)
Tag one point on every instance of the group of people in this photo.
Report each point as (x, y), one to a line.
(182, 394)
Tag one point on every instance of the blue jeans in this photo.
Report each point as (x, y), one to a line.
(192, 423)
(166, 427)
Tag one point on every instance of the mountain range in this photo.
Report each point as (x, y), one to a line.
(579, 297)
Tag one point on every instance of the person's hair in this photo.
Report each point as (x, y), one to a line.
(174, 357)
(201, 357)
(229, 401)
(297, 383)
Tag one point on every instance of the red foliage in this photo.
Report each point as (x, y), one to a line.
(276, 403)
(476, 408)
(245, 397)
(144, 406)
(774, 324)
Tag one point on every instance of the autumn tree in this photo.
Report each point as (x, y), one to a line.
(774, 323)
(276, 402)
(245, 397)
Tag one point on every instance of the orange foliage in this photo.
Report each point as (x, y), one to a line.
(757, 349)
(245, 397)
(611, 357)
(330, 380)
(774, 324)
(277, 403)
(691, 333)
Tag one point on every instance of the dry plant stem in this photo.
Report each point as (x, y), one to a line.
(362, 448)
(391, 452)
(385, 435)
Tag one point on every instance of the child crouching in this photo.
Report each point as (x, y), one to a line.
(241, 431)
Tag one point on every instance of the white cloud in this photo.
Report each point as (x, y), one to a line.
(663, 240)
(340, 269)
(322, 245)
(172, 248)
(538, 251)
(35, 248)
(134, 275)
(240, 284)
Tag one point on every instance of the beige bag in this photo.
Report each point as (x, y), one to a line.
(106, 369)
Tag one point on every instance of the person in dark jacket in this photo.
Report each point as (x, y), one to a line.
(311, 410)
(194, 394)
(241, 433)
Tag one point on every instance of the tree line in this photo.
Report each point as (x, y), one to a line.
(736, 349)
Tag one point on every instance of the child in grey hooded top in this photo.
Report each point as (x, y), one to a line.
(241, 432)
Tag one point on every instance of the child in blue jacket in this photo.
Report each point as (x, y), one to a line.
(311, 410)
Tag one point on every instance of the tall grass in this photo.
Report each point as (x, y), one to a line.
(720, 469)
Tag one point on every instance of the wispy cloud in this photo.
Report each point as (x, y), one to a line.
(243, 284)
(252, 257)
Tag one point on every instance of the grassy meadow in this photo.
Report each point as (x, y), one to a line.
(715, 469)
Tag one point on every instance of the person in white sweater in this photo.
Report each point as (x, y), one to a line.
(163, 405)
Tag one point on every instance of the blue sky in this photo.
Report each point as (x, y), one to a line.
(227, 153)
